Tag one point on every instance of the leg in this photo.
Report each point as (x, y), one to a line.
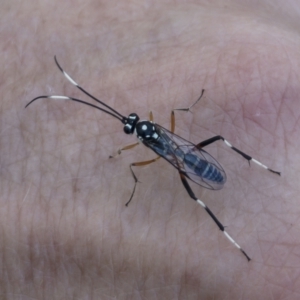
(246, 156)
(124, 148)
(189, 108)
(151, 116)
(182, 109)
(138, 164)
(219, 224)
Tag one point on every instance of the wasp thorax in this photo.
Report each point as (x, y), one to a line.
(131, 123)
(146, 130)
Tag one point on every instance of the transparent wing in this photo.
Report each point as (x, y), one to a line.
(194, 163)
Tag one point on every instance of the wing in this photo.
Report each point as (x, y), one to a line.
(195, 163)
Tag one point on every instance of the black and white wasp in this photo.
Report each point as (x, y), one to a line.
(190, 160)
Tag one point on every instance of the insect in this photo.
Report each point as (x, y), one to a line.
(190, 160)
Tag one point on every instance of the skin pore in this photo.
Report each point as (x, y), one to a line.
(65, 230)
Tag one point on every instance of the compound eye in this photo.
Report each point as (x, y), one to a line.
(127, 129)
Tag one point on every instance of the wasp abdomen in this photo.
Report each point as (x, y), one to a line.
(203, 168)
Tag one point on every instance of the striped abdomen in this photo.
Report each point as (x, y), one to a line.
(203, 168)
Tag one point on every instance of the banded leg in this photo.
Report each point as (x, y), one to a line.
(139, 164)
(219, 224)
(246, 156)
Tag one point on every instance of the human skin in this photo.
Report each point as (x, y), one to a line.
(65, 230)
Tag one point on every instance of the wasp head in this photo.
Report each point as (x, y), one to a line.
(131, 123)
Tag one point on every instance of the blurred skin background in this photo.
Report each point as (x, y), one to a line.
(65, 230)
